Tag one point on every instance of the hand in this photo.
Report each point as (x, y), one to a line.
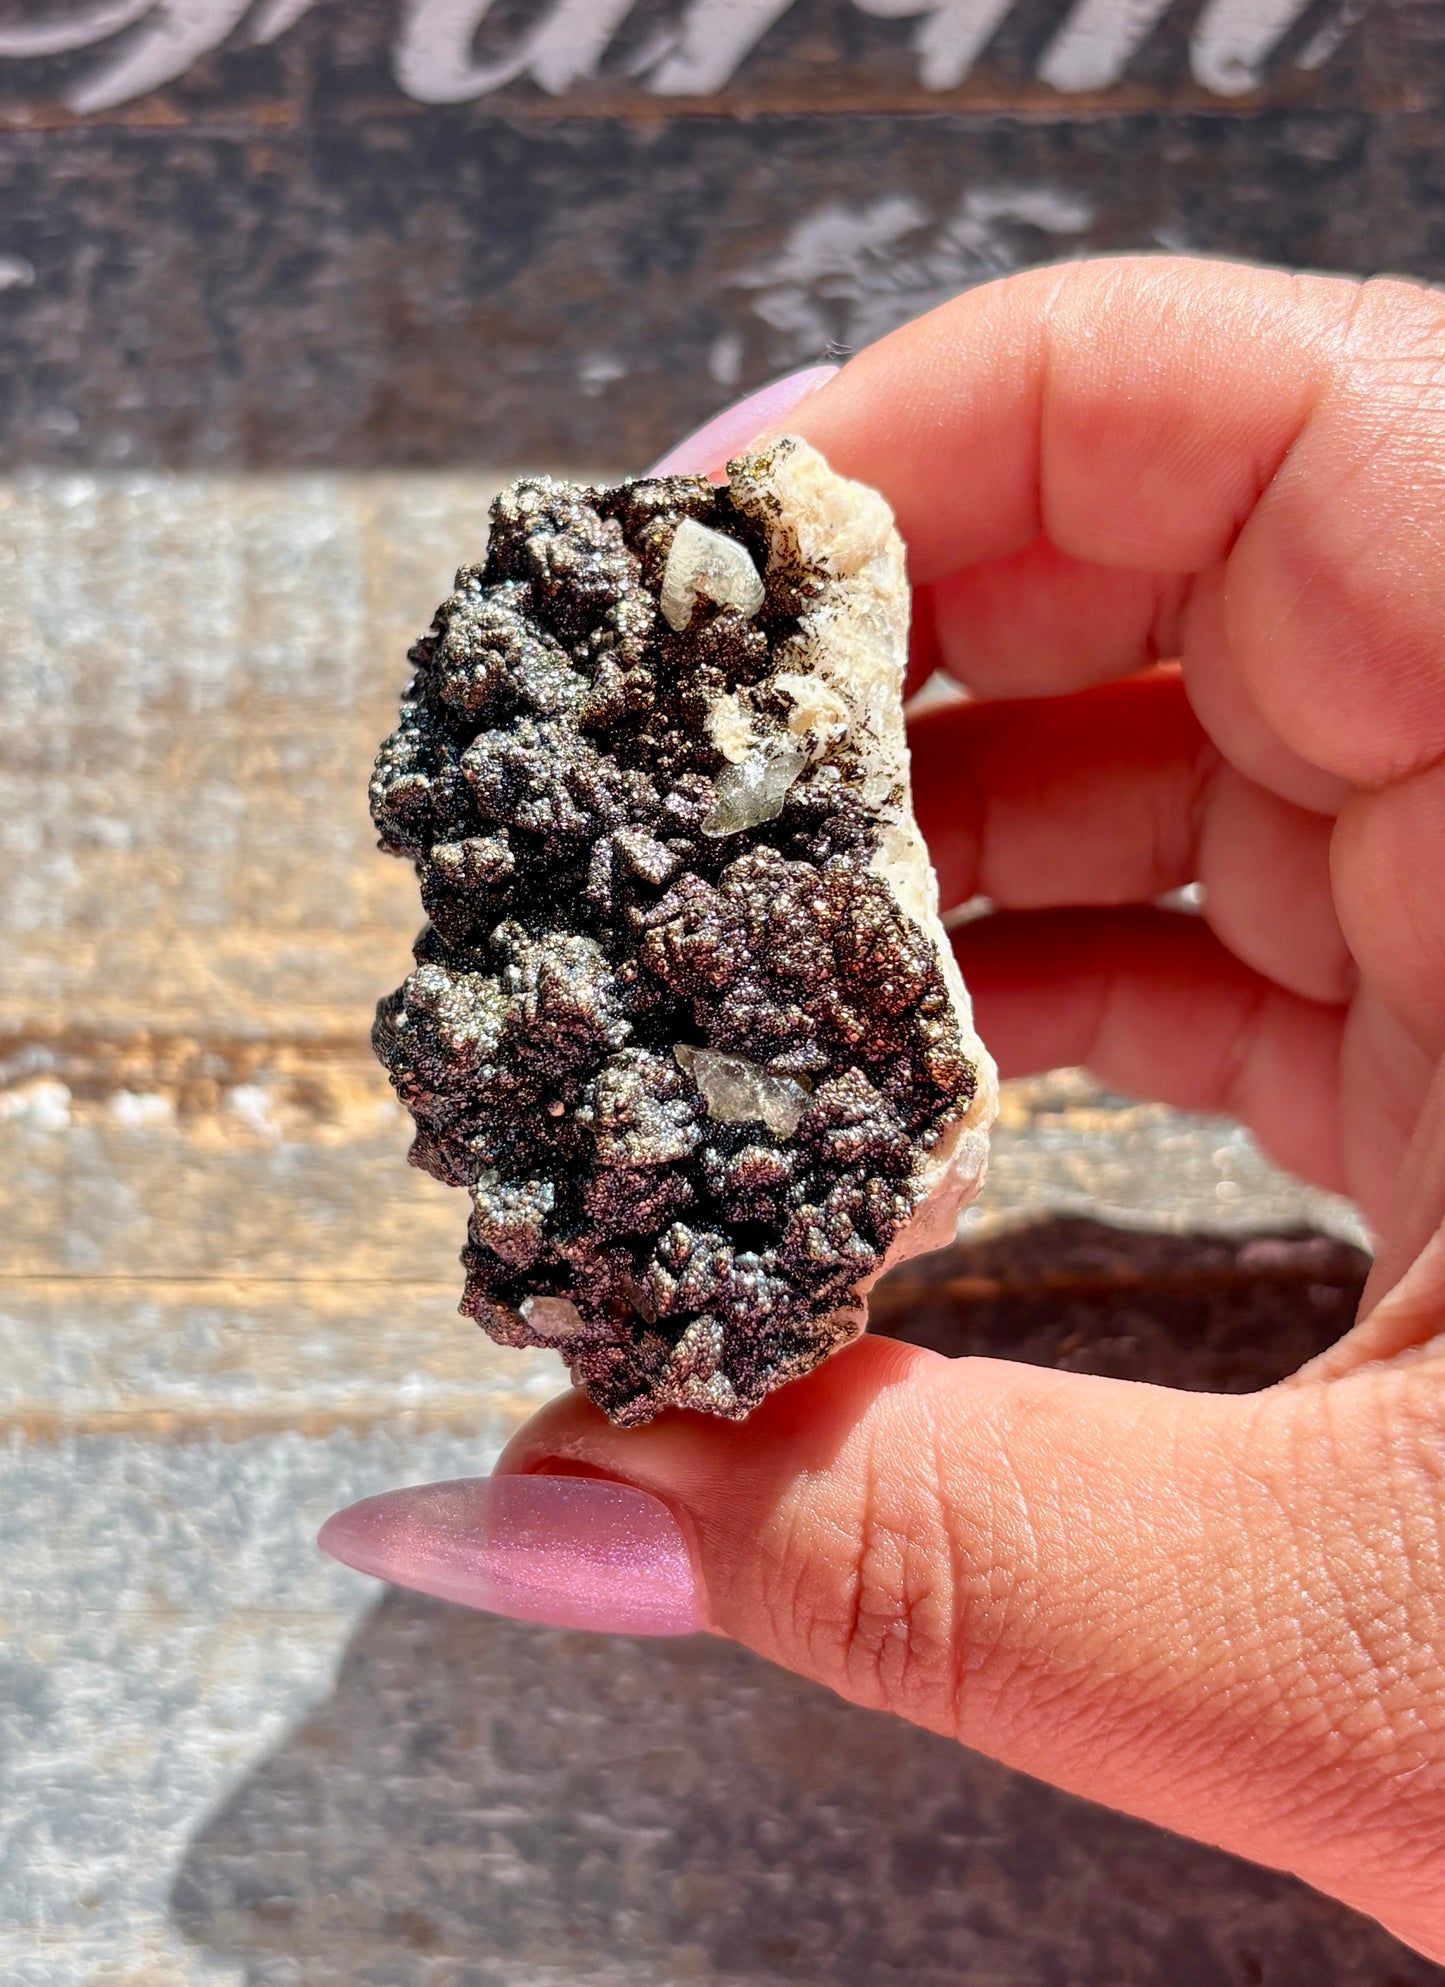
(1224, 1614)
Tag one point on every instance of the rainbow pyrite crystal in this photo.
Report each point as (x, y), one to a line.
(683, 1021)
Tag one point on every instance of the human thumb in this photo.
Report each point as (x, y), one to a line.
(1220, 1613)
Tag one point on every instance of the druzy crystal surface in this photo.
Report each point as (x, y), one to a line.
(683, 1020)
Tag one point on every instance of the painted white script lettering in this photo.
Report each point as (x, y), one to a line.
(142, 44)
(82, 27)
(1233, 39)
(1094, 45)
(435, 63)
(951, 37)
(715, 37)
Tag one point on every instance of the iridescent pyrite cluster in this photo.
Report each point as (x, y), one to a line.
(683, 1020)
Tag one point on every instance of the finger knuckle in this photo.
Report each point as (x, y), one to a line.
(1393, 351)
(872, 1607)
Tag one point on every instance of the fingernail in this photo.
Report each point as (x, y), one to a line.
(573, 1552)
(710, 446)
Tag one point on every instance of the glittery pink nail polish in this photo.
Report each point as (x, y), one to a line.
(709, 447)
(573, 1552)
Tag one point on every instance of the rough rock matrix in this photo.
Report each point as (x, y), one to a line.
(683, 1020)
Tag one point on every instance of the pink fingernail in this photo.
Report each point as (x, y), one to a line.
(573, 1552)
(709, 447)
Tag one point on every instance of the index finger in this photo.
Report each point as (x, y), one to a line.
(1166, 416)
(1132, 411)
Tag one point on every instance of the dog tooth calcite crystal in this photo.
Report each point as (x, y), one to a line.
(684, 1021)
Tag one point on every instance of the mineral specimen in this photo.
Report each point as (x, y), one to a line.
(684, 1022)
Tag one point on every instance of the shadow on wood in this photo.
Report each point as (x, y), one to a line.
(1222, 1314)
(484, 1804)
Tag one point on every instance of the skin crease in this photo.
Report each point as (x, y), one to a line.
(1224, 1614)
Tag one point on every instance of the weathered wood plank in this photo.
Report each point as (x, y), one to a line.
(175, 1359)
(458, 291)
(168, 1361)
(222, 1202)
(194, 680)
(163, 1616)
(279, 256)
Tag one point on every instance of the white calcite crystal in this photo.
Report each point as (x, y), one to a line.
(755, 789)
(684, 1020)
(709, 563)
(739, 1092)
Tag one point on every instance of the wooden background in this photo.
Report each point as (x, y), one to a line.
(283, 288)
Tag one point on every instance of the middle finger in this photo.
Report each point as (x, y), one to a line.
(1116, 795)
